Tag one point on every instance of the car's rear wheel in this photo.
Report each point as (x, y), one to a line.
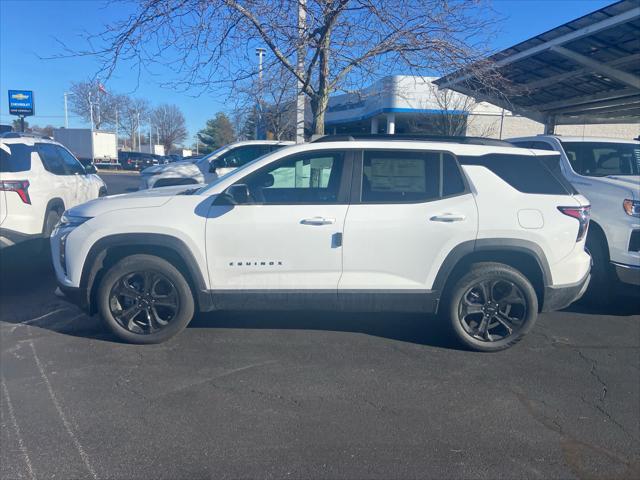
(600, 290)
(145, 299)
(492, 307)
(41, 245)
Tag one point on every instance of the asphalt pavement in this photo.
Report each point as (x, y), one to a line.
(310, 395)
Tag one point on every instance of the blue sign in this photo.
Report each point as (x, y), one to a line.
(21, 102)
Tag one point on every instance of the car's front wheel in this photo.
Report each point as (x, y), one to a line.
(145, 299)
(491, 307)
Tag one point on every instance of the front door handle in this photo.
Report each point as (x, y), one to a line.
(448, 217)
(318, 221)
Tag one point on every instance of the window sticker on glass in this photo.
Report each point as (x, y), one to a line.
(406, 175)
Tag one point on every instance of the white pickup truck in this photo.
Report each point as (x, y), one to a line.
(606, 171)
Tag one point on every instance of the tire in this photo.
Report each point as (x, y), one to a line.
(468, 307)
(102, 192)
(600, 290)
(51, 219)
(127, 298)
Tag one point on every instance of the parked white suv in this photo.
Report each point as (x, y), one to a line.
(607, 172)
(209, 167)
(39, 179)
(484, 234)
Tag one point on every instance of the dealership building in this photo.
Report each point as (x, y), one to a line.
(404, 104)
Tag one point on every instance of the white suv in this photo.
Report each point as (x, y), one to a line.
(209, 167)
(482, 233)
(607, 172)
(39, 179)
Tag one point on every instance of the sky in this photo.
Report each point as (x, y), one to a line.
(30, 31)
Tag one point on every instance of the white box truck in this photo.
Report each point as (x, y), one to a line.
(96, 146)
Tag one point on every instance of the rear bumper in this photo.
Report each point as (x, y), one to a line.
(9, 238)
(561, 296)
(629, 274)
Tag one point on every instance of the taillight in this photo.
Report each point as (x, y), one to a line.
(581, 214)
(21, 187)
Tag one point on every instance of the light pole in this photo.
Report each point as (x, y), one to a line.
(260, 53)
(91, 110)
(302, 16)
(66, 112)
(138, 125)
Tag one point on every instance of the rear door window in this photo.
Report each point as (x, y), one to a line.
(72, 165)
(404, 176)
(51, 158)
(18, 161)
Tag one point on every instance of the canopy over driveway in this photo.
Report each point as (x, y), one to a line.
(585, 71)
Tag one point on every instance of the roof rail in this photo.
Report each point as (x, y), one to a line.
(415, 137)
(24, 134)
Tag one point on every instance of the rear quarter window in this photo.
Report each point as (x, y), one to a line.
(525, 173)
(18, 161)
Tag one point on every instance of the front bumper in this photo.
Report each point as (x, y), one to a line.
(561, 296)
(629, 274)
(74, 295)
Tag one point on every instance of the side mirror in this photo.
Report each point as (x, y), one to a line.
(90, 168)
(235, 195)
(217, 163)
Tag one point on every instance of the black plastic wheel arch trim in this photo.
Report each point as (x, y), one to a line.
(94, 260)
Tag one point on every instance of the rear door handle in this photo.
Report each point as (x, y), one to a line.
(318, 221)
(448, 218)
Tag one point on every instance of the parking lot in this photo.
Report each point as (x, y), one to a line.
(311, 395)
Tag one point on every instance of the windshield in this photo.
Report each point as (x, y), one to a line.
(206, 158)
(600, 159)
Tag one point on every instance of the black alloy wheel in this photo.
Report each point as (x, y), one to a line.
(144, 302)
(145, 299)
(491, 307)
(492, 310)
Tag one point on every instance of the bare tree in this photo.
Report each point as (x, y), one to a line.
(171, 125)
(271, 102)
(90, 100)
(344, 42)
(132, 113)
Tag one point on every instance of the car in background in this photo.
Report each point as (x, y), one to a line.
(137, 160)
(174, 157)
(607, 172)
(39, 180)
(209, 167)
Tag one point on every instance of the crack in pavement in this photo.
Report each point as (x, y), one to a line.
(600, 406)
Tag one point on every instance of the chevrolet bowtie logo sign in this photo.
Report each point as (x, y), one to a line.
(21, 102)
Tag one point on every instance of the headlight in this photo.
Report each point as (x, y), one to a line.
(631, 207)
(63, 229)
(71, 221)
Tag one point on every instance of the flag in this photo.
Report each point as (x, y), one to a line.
(101, 88)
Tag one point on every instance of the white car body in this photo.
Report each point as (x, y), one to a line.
(606, 194)
(200, 171)
(345, 253)
(49, 187)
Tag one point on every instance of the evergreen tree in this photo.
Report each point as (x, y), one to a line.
(218, 132)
